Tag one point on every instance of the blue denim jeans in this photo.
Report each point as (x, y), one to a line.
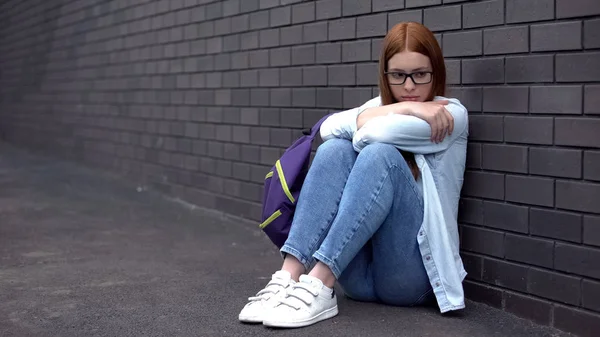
(359, 214)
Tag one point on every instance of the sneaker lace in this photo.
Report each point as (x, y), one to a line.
(307, 296)
(273, 287)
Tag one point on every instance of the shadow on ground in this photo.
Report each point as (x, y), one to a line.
(83, 253)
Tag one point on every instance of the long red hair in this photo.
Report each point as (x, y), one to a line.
(415, 37)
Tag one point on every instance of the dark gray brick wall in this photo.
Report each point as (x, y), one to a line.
(198, 98)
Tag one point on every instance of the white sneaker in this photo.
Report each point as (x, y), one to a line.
(276, 289)
(307, 302)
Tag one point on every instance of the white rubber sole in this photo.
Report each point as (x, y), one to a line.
(329, 313)
(246, 319)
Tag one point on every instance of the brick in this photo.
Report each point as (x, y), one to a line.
(453, 71)
(529, 250)
(555, 162)
(443, 18)
(421, 3)
(470, 97)
(303, 97)
(530, 190)
(268, 117)
(268, 3)
(591, 165)
(481, 14)
(259, 20)
(556, 36)
(259, 97)
(591, 34)
(573, 8)
(314, 76)
(303, 55)
(530, 68)
(507, 158)
(484, 185)
(578, 196)
(329, 53)
(281, 138)
(577, 131)
(555, 224)
(280, 16)
(341, 75)
(328, 9)
(281, 97)
(214, 10)
(473, 265)
(486, 70)
(404, 16)
(583, 67)
(576, 321)
(371, 25)
(248, 5)
(354, 97)
(529, 10)
(578, 260)
(528, 130)
(249, 78)
(482, 293)
(304, 12)
(591, 230)
(279, 57)
(231, 7)
(487, 128)
(504, 274)
(342, 29)
(506, 40)
(354, 7)
(557, 100)
(591, 295)
(259, 58)
(291, 35)
(538, 311)
(315, 32)
(470, 211)
(376, 46)
(474, 155)
(355, 51)
(506, 216)
(592, 100)
(269, 38)
(291, 77)
(329, 98)
(506, 99)
(366, 73)
(484, 241)
(387, 5)
(291, 118)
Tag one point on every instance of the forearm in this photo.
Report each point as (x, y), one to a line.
(368, 114)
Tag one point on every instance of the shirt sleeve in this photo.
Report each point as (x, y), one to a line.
(410, 133)
(343, 124)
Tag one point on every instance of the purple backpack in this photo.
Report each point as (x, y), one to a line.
(282, 186)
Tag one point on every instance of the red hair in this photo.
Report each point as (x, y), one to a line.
(412, 36)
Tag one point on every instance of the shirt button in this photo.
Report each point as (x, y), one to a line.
(421, 233)
(437, 284)
(428, 258)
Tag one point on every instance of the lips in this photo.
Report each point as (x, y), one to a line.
(410, 98)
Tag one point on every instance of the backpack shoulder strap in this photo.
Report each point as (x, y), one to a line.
(312, 132)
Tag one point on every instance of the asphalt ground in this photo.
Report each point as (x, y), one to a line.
(84, 253)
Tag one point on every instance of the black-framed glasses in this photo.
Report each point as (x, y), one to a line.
(419, 77)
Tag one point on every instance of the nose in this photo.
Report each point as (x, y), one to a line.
(409, 85)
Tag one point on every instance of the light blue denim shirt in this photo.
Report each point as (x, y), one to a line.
(442, 167)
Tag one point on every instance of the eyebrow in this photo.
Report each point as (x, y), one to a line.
(416, 69)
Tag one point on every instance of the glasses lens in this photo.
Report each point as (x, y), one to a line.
(422, 78)
(396, 78)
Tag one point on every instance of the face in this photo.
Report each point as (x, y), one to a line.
(408, 62)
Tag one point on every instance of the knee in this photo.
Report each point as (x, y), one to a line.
(336, 148)
(379, 152)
